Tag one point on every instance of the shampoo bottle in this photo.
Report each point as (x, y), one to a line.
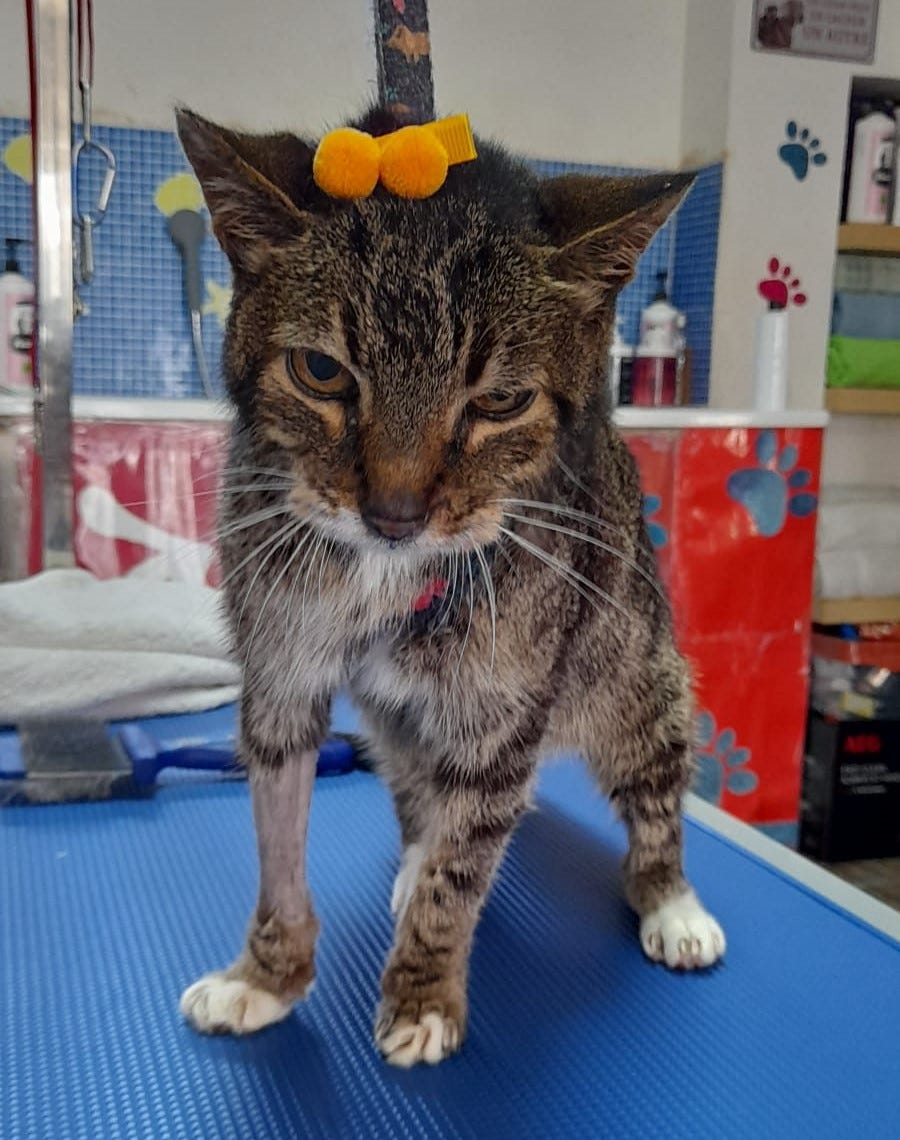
(655, 379)
(871, 168)
(895, 214)
(16, 323)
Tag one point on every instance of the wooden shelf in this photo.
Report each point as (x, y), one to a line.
(863, 401)
(861, 237)
(854, 611)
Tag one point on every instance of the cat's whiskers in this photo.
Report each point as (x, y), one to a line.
(569, 575)
(188, 554)
(288, 532)
(278, 579)
(320, 539)
(468, 567)
(326, 553)
(557, 528)
(571, 512)
(570, 474)
(259, 548)
(264, 514)
(492, 601)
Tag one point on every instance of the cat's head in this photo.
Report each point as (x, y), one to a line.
(414, 362)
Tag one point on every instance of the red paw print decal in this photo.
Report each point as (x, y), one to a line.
(781, 287)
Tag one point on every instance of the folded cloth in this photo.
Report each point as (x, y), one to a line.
(871, 316)
(123, 647)
(861, 573)
(851, 517)
(858, 362)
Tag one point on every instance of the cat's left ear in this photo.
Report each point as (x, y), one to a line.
(256, 186)
(599, 227)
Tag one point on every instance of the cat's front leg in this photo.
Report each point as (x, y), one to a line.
(276, 967)
(423, 1012)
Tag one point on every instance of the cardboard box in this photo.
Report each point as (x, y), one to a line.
(850, 799)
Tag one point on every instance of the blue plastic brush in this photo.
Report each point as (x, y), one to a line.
(126, 761)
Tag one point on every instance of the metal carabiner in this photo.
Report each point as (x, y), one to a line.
(88, 219)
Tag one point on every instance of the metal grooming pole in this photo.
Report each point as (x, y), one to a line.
(52, 128)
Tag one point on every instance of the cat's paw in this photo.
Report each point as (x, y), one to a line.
(405, 883)
(219, 1004)
(408, 1036)
(682, 934)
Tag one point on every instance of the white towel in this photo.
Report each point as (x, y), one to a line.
(851, 518)
(874, 572)
(123, 647)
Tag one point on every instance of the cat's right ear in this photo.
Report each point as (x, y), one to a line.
(251, 185)
(600, 226)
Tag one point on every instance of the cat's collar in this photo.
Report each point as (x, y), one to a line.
(411, 162)
(441, 598)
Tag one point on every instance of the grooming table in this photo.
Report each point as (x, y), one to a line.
(110, 909)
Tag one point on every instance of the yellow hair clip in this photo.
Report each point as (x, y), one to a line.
(411, 162)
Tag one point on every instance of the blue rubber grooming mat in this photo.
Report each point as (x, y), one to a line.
(110, 909)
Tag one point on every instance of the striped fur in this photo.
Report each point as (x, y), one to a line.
(564, 642)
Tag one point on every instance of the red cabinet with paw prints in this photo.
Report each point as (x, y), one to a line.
(731, 512)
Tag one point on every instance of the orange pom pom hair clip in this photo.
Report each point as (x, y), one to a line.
(411, 162)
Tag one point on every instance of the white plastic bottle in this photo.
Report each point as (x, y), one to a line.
(770, 360)
(16, 324)
(870, 168)
(618, 372)
(661, 321)
(895, 217)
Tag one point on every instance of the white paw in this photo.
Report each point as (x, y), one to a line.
(405, 883)
(682, 934)
(430, 1039)
(218, 1004)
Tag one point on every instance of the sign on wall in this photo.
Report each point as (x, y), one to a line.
(830, 29)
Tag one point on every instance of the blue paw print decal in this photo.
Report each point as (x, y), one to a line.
(659, 536)
(800, 151)
(720, 763)
(773, 490)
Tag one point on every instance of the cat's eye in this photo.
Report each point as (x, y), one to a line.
(503, 403)
(319, 375)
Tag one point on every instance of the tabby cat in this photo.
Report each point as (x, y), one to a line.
(425, 502)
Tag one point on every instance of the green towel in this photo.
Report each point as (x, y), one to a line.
(856, 363)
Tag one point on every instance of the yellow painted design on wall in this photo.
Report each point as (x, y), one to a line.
(17, 158)
(218, 300)
(180, 192)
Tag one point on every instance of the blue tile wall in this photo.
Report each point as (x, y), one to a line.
(136, 340)
(656, 257)
(686, 247)
(15, 197)
(696, 242)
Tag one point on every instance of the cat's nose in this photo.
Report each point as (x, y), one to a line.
(401, 514)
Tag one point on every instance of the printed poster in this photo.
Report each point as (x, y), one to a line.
(829, 29)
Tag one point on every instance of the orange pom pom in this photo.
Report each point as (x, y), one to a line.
(413, 163)
(346, 163)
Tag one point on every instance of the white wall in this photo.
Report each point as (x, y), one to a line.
(573, 79)
(705, 83)
(273, 63)
(579, 80)
(767, 212)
